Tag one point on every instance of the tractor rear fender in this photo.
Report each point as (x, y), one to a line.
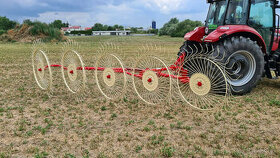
(276, 41)
(196, 35)
(228, 31)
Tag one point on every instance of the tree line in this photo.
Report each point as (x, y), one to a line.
(6, 24)
(98, 27)
(101, 27)
(175, 28)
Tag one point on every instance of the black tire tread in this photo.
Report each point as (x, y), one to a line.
(234, 44)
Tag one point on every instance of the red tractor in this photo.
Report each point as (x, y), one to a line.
(244, 36)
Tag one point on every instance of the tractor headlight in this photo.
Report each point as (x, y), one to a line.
(206, 30)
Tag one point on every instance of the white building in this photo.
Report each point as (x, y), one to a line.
(71, 28)
(111, 33)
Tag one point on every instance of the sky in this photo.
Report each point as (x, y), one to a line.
(86, 13)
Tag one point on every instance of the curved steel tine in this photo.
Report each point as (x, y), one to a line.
(207, 49)
(236, 91)
(223, 57)
(191, 49)
(228, 76)
(201, 48)
(212, 50)
(196, 49)
(215, 57)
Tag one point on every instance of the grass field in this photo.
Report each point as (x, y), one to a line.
(34, 124)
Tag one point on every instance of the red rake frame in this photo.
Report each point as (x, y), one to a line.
(180, 73)
(175, 67)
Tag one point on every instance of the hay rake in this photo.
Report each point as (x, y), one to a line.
(201, 81)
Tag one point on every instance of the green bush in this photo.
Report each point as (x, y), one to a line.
(169, 27)
(174, 28)
(87, 32)
(154, 31)
(39, 28)
(6, 24)
(28, 22)
(185, 26)
(58, 24)
(2, 32)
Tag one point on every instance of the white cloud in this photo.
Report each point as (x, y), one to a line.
(165, 6)
(123, 12)
(193, 16)
(115, 14)
(110, 14)
(27, 3)
(75, 18)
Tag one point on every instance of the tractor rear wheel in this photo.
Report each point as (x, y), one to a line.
(244, 63)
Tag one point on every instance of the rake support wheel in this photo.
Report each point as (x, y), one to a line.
(42, 69)
(73, 71)
(110, 76)
(151, 80)
(208, 87)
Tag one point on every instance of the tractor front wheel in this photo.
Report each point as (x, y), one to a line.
(244, 63)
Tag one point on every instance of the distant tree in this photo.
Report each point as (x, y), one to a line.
(2, 32)
(101, 27)
(65, 24)
(133, 30)
(121, 27)
(169, 27)
(111, 28)
(174, 28)
(185, 26)
(154, 31)
(28, 22)
(98, 27)
(58, 24)
(116, 27)
(87, 32)
(6, 24)
(105, 28)
(174, 21)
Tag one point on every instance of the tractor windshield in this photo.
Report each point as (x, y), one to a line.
(237, 12)
(216, 14)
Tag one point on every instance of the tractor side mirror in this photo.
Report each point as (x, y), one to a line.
(251, 22)
(277, 4)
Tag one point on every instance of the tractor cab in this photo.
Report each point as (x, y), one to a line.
(258, 14)
(226, 12)
(244, 35)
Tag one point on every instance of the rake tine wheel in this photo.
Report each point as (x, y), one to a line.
(207, 87)
(73, 71)
(41, 66)
(110, 76)
(151, 80)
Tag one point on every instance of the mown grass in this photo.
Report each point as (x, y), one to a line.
(34, 124)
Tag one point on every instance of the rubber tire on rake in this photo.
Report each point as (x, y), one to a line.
(42, 69)
(207, 87)
(73, 72)
(152, 87)
(110, 76)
